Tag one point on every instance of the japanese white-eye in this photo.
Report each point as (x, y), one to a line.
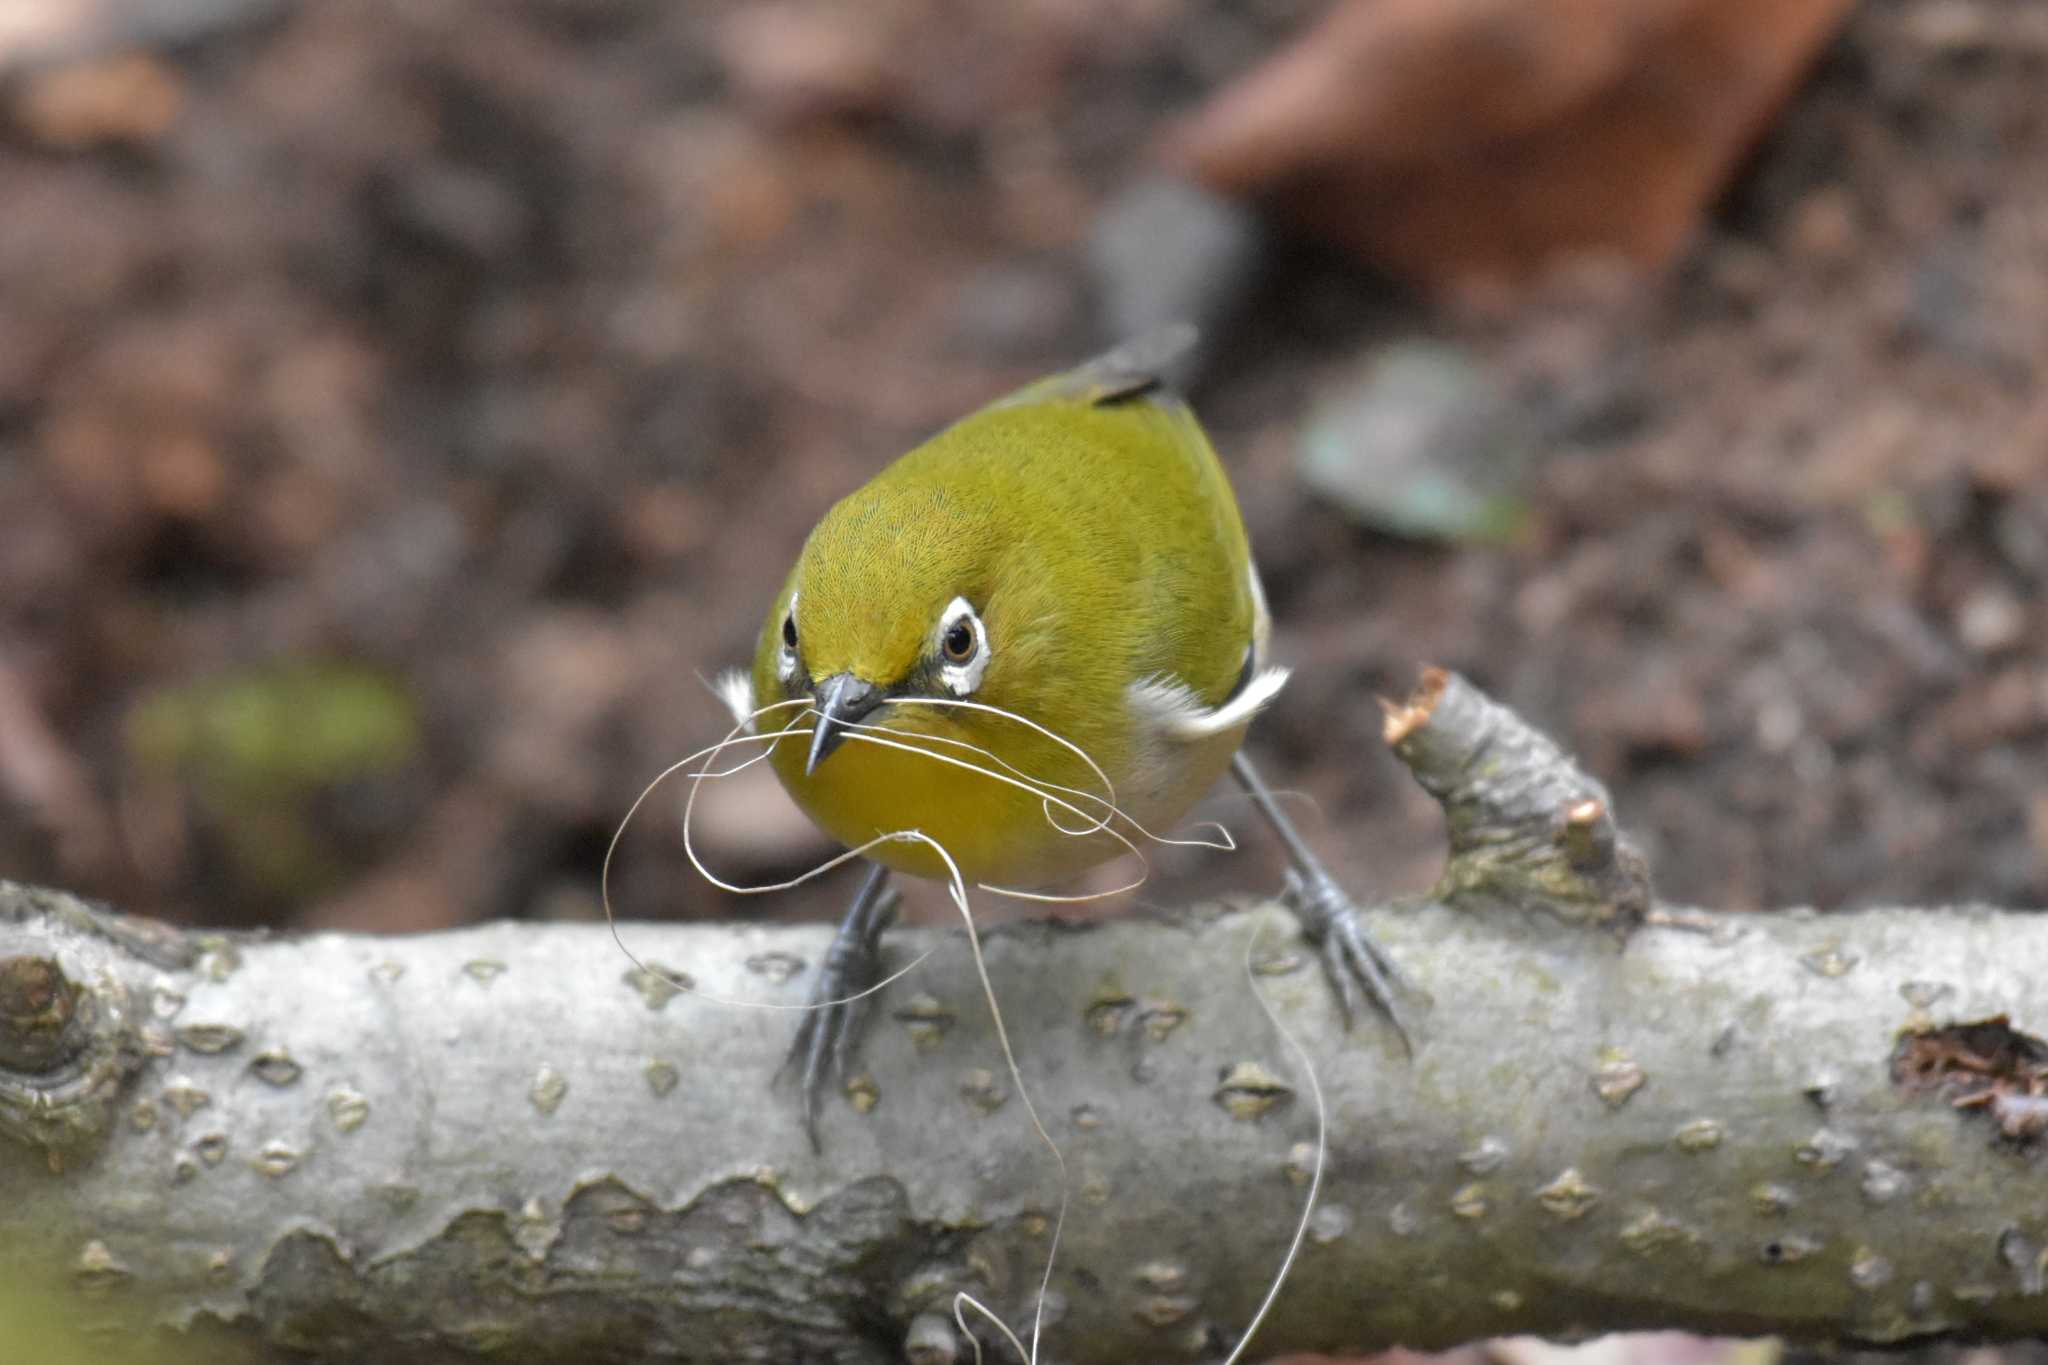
(1063, 573)
(1072, 555)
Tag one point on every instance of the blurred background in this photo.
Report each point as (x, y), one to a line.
(406, 404)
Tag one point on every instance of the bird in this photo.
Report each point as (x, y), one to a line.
(1037, 639)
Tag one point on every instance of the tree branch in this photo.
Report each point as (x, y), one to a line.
(506, 1141)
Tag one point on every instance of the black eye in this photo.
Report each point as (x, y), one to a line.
(958, 644)
(789, 631)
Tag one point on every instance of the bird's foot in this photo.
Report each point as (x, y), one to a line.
(1358, 968)
(829, 1037)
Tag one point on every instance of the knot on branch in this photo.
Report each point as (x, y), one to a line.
(1985, 1065)
(39, 1024)
(69, 1038)
(1526, 827)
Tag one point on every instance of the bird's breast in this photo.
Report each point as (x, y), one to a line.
(1010, 811)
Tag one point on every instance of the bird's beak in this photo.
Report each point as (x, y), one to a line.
(842, 700)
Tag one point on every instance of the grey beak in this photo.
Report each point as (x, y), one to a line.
(842, 700)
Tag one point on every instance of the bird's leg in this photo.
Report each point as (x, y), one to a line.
(830, 1032)
(1355, 964)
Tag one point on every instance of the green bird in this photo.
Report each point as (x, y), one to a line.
(1037, 639)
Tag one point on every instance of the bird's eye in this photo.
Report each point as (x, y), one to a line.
(964, 648)
(786, 666)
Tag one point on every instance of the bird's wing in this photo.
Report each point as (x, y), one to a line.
(1165, 704)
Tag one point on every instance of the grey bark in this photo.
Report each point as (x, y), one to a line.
(507, 1142)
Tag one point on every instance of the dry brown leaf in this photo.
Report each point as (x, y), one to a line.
(1470, 144)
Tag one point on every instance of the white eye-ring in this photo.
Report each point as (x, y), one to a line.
(785, 662)
(963, 648)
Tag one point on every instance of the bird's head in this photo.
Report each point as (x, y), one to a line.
(891, 601)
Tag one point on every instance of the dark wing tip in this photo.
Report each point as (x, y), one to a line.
(1152, 361)
(1158, 360)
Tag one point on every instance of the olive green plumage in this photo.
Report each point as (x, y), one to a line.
(1088, 525)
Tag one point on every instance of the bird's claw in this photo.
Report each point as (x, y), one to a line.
(1356, 965)
(829, 1036)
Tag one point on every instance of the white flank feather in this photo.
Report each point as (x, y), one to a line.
(1172, 707)
(736, 690)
